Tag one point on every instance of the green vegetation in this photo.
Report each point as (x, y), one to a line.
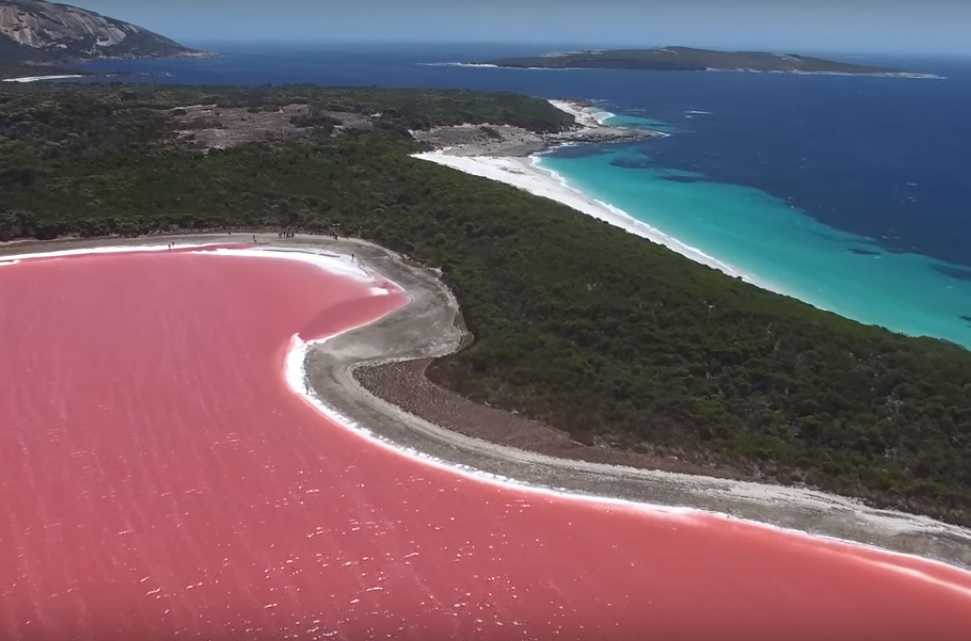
(687, 59)
(577, 323)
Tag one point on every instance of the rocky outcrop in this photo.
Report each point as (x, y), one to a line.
(43, 32)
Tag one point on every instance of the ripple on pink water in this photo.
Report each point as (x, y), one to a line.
(158, 480)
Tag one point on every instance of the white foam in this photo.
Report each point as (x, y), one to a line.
(470, 65)
(60, 253)
(26, 79)
(797, 72)
(487, 65)
(584, 116)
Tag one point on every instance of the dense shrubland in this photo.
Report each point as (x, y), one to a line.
(579, 324)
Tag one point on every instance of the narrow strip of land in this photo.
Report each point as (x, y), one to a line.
(431, 326)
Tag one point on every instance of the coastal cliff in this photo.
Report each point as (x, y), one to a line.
(35, 31)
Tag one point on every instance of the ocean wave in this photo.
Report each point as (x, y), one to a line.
(471, 65)
(487, 65)
(877, 74)
(27, 79)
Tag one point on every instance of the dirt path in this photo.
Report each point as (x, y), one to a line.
(430, 326)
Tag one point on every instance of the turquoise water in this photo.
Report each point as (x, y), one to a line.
(775, 244)
(639, 122)
(872, 165)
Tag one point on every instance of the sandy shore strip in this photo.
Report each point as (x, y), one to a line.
(586, 116)
(27, 79)
(528, 175)
(431, 326)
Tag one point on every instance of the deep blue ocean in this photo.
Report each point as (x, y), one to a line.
(852, 193)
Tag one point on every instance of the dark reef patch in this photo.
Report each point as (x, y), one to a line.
(959, 273)
(864, 252)
(579, 151)
(633, 163)
(685, 179)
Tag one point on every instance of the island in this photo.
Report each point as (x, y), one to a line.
(691, 59)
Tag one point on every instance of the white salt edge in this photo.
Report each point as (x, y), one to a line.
(95, 250)
(339, 264)
(295, 375)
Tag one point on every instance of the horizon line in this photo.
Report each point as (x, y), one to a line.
(554, 45)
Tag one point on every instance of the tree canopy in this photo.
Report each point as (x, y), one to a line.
(577, 323)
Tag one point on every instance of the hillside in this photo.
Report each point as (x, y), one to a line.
(688, 59)
(611, 338)
(44, 32)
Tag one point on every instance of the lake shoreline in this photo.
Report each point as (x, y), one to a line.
(430, 325)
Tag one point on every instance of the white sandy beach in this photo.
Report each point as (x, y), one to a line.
(26, 79)
(526, 174)
(529, 175)
(585, 116)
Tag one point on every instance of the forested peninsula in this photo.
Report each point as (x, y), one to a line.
(617, 341)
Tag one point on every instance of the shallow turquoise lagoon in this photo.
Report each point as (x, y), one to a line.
(778, 246)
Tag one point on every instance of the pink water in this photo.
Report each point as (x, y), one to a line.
(158, 480)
